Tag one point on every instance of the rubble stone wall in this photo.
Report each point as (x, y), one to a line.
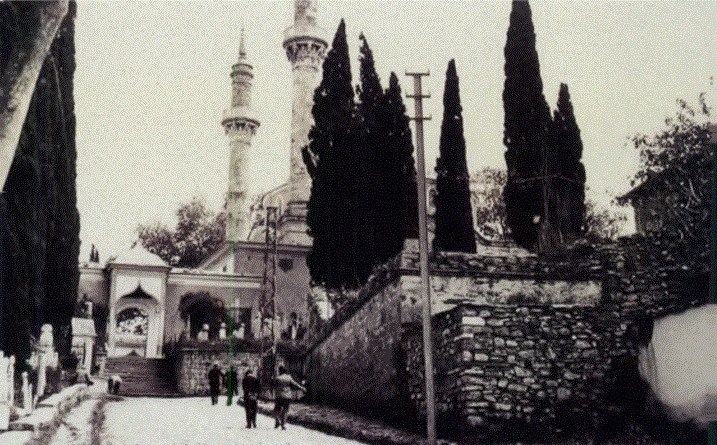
(359, 364)
(524, 362)
(195, 363)
(516, 338)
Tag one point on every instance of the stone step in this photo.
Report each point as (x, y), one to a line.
(140, 376)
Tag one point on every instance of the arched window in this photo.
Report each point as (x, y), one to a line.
(132, 321)
(201, 308)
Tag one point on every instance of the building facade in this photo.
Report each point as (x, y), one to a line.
(149, 304)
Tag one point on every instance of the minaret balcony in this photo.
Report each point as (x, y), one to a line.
(235, 114)
(306, 32)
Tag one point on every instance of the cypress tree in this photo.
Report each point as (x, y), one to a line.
(527, 123)
(454, 221)
(39, 222)
(373, 190)
(61, 276)
(400, 208)
(330, 159)
(568, 187)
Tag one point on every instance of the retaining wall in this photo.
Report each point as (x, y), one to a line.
(360, 365)
(517, 338)
(193, 364)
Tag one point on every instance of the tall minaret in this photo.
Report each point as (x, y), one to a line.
(305, 45)
(240, 122)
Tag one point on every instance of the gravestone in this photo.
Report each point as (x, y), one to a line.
(7, 388)
(83, 341)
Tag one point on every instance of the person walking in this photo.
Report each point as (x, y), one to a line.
(215, 377)
(284, 383)
(232, 384)
(251, 387)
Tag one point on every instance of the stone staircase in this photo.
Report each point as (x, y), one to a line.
(141, 376)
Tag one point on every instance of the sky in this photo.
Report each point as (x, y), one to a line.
(152, 80)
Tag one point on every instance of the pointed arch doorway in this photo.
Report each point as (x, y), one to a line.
(136, 324)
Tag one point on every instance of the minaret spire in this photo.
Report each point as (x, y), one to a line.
(242, 48)
(240, 122)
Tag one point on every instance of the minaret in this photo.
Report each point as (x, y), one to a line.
(305, 45)
(240, 122)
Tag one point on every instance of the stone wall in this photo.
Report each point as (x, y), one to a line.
(524, 362)
(360, 364)
(517, 338)
(193, 364)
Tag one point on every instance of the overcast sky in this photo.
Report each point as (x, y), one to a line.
(152, 80)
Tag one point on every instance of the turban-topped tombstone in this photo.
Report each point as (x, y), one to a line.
(46, 354)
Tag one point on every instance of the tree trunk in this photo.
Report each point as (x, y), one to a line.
(17, 84)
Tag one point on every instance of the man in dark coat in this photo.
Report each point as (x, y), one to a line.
(251, 387)
(231, 381)
(215, 377)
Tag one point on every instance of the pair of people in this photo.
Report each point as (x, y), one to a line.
(283, 385)
(230, 380)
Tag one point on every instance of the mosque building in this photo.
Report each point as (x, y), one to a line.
(148, 303)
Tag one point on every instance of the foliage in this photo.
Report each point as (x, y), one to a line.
(566, 189)
(544, 193)
(454, 221)
(370, 155)
(39, 222)
(525, 129)
(386, 146)
(602, 223)
(94, 255)
(198, 234)
(332, 162)
(360, 161)
(401, 205)
(201, 308)
(675, 172)
(490, 208)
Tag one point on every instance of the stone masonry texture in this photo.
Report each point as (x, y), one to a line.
(499, 358)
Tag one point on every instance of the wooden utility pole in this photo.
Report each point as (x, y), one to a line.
(418, 97)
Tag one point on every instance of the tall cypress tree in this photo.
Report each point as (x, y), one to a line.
(61, 276)
(371, 157)
(400, 207)
(39, 223)
(454, 221)
(568, 185)
(527, 124)
(331, 161)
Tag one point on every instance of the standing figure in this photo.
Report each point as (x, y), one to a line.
(251, 387)
(113, 384)
(232, 384)
(284, 383)
(215, 377)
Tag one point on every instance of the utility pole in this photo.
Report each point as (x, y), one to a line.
(268, 283)
(418, 97)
